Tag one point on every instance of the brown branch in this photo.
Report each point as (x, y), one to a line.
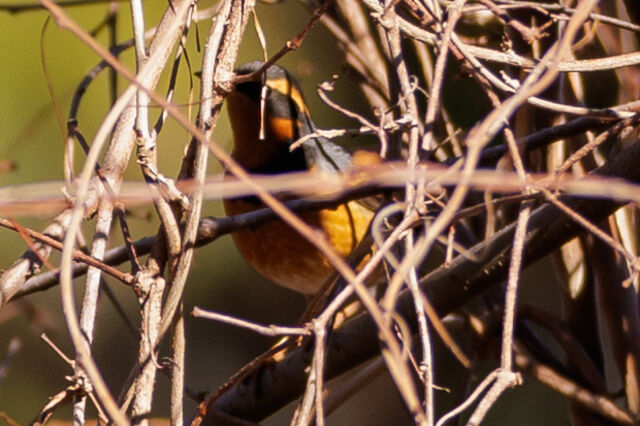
(597, 403)
(15, 8)
(78, 255)
(289, 46)
(447, 287)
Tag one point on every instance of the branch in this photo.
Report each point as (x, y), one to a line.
(447, 287)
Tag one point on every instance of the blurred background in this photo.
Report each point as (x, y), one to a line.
(31, 141)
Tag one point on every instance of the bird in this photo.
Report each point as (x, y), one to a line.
(267, 115)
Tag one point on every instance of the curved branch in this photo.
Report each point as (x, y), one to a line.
(447, 287)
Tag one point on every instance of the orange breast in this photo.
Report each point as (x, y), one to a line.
(280, 254)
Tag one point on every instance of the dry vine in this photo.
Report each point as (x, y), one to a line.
(462, 211)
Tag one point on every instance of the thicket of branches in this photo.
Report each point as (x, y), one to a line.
(550, 169)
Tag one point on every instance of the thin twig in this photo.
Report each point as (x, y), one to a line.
(83, 356)
(269, 330)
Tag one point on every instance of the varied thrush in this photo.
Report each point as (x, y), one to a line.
(273, 107)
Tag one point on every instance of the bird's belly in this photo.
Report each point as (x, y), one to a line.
(283, 256)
